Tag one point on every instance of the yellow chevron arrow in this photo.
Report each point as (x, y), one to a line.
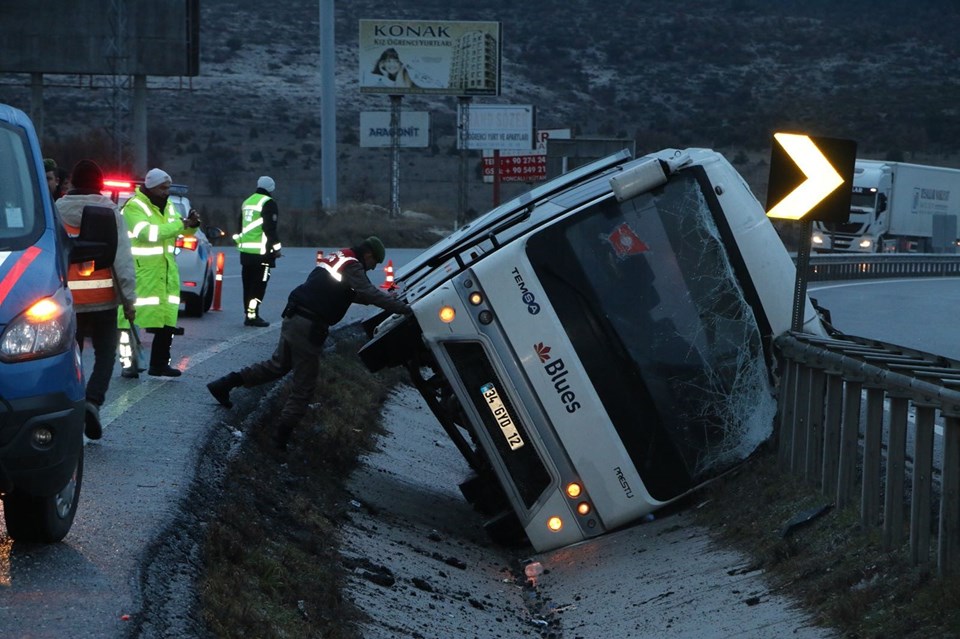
(822, 178)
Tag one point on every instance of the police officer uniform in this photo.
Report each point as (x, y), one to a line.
(259, 246)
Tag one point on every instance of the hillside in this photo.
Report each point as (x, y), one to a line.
(719, 74)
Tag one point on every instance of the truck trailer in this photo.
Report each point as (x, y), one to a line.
(601, 345)
(896, 207)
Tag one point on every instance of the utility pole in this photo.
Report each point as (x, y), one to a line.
(328, 107)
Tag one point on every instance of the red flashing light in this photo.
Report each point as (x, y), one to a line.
(120, 184)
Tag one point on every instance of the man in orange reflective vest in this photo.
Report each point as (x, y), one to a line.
(97, 293)
(338, 281)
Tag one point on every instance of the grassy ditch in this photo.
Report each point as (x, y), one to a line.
(271, 562)
(831, 566)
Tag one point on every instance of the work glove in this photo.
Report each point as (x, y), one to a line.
(192, 221)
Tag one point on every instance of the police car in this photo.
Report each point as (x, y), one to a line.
(194, 254)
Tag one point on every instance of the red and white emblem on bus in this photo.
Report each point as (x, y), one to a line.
(543, 352)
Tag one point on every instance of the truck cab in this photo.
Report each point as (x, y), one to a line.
(42, 405)
(600, 346)
(864, 230)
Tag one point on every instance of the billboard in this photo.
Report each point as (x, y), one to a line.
(523, 166)
(414, 129)
(499, 127)
(439, 57)
(159, 38)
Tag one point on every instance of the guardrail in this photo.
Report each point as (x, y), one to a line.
(822, 386)
(845, 266)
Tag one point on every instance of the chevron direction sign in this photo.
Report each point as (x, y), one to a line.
(811, 178)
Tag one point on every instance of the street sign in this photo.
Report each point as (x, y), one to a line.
(500, 127)
(811, 178)
(523, 166)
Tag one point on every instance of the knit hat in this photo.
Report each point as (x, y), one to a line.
(376, 247)
(266, 183)
(87, 176)
(49, 164)
(156, 177)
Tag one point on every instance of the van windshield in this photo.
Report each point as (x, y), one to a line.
(21, 215)
(647, 295)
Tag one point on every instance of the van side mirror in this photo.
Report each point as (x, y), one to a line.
(97, 241)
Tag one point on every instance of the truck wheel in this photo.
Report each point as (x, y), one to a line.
(44, 519)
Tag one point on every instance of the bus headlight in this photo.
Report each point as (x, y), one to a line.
(44, 329)
(447, 314)
(555, 524)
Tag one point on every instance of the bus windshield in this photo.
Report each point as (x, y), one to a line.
(21, 217)
(647, 295)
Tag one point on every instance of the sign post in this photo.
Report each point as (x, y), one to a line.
(811, 179)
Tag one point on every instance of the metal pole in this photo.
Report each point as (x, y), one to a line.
(464, 132)
(803, 267)
(328, 107)
(139, 125)
(396, 102)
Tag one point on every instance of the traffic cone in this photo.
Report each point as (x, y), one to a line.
(319, 257)
(388, 283)
(218, 283)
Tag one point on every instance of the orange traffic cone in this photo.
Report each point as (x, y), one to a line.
(319, 257)
(388, 283)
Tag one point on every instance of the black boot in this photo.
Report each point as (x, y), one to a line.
(220, 388)
(160, 354)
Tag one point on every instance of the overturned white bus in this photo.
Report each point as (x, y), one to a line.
(601, 345)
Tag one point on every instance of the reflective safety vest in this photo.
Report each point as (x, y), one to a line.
(251, 238)
(324, 293)
(153, 234)
(87, 285)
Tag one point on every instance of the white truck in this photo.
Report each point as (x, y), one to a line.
(601, 345)
(896, 207)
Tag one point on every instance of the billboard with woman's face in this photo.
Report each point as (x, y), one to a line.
(439, 57)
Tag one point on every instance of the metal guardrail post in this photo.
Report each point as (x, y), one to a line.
(800, 421)
(788, 395)
(949, 533)
(872, 436)
(896, 459)
(921, 489)
(831, 433)
(814, 445)
(849, 438)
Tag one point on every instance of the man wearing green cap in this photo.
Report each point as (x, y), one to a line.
(339, 280)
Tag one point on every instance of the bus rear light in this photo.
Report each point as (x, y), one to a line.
(574, 490)
(555, 524)
(583, 508)
(447, 314)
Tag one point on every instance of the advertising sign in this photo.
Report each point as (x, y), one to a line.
(524, 166)
(439, 57)
(499, 127)
(414, 129)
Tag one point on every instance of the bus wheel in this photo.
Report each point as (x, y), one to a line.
(44, 519)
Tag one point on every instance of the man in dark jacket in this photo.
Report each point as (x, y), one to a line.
(312, 308)
(259, 246)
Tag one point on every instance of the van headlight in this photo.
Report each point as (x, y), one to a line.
(46, 328)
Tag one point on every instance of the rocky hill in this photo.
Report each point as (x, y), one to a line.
(722, 74)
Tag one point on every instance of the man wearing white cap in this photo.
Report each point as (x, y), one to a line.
(154, 224)
(259, 246)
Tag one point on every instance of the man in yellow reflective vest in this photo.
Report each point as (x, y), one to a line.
(154, 224)
(97, 293)
(259, 246)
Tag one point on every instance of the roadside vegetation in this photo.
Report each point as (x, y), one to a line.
(831, 566)
(271, 566)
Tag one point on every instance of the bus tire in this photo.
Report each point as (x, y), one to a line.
(44, 519)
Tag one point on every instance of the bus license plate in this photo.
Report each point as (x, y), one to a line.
(502, 417)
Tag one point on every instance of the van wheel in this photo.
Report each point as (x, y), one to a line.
(44, 519)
